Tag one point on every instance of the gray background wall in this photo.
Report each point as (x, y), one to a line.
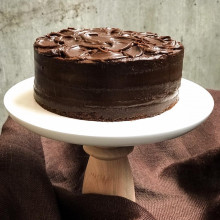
(196, 23)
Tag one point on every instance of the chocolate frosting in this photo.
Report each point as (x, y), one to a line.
(101, 44)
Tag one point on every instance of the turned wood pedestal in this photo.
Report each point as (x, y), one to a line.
(108, 172)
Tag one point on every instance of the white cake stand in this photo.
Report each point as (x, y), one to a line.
(108, 143)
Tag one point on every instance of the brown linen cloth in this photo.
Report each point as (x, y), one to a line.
(177, 179)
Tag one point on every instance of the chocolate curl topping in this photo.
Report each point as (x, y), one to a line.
(101, 44)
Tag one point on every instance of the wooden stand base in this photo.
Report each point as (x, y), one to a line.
(108, 172)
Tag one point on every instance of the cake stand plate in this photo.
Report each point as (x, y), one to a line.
(108, 170)
(194, 106)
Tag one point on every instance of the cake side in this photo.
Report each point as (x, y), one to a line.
(108, 89)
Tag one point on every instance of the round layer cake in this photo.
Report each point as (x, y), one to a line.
(107, 74)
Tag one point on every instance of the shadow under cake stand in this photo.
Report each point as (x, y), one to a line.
(108, 143)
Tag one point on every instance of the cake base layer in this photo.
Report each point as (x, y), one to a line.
(119, 113)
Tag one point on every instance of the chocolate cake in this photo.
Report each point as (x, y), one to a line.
(107, 74)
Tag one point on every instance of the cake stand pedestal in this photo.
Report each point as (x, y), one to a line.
(108, 172)
(108, 143)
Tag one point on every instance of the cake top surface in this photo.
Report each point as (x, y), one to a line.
(102, 44)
